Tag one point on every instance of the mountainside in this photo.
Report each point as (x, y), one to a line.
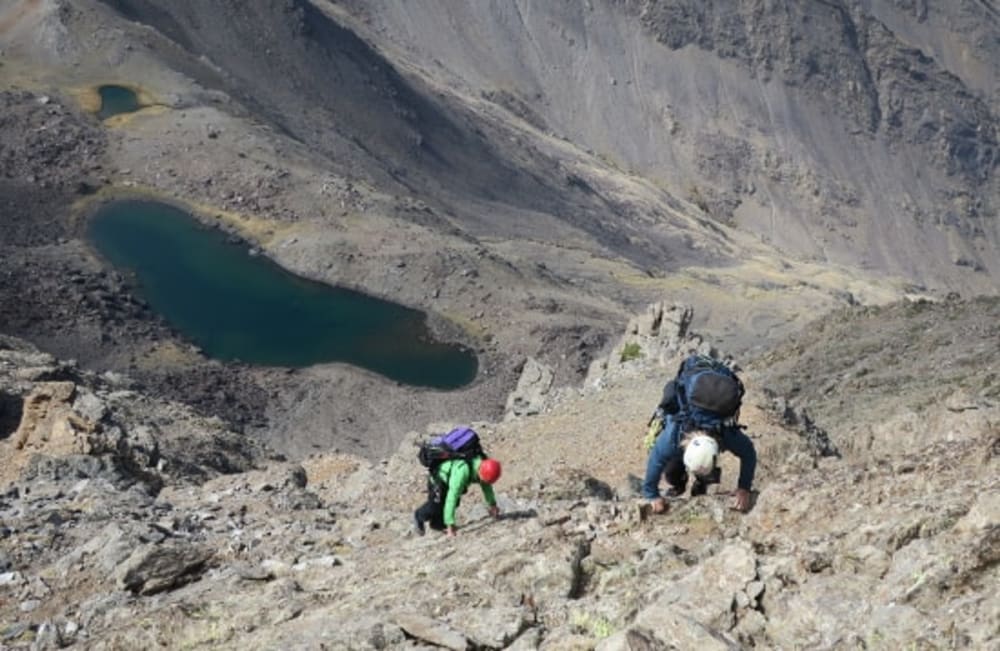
(863, 133)
(562, 163)
(810, 187)
(820, 127)
(117, 535)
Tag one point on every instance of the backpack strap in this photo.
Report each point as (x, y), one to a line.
(436, 471)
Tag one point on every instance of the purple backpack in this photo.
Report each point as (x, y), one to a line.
(459, 443)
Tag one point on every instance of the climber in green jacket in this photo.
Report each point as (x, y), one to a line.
(445, 486)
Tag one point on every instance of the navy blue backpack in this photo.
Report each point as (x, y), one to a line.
(709, 394)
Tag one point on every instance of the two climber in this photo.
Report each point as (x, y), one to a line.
(696, 419)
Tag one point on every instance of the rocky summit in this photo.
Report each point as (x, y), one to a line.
(578, 193)
(131, 522)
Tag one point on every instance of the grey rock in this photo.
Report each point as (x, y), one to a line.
(530, 395)
(431, 631)
(151, 568)
(90, 406)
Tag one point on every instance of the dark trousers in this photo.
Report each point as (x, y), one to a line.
(432, 511)
(676, 474)
(677, 477)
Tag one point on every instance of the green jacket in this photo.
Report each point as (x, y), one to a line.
(457, 474)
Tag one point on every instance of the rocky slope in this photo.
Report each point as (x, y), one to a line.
(117, 534)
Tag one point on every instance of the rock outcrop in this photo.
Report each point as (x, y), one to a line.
(532, 390)
(653, 339)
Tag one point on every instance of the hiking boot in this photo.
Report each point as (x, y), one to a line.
(418, 525)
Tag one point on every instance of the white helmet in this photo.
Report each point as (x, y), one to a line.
(700, 453)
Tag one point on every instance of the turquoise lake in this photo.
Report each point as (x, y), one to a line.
(117, 99)
(236, 306)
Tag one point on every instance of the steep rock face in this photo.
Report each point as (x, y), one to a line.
(959, 35)
(854, 132)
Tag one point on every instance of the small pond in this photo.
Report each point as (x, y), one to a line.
(117, 99)
(237, 306)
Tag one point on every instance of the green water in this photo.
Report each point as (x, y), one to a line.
(235, 306)
(117, 99)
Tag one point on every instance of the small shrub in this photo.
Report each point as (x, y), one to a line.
(631, 351)
(598, 627)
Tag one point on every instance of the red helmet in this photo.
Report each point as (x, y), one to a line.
(489, 470)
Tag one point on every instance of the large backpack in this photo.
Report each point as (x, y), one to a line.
(709, 394)
(459, 443)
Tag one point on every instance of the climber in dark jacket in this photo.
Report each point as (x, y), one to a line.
(668, 456)
(681, 449)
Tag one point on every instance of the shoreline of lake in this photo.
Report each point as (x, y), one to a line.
(249, 309)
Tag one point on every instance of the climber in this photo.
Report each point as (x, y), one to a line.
(447, 482)
(699, 412)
